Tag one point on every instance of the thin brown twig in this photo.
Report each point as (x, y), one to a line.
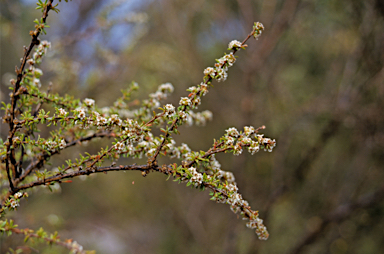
(14, 98)
(42, 157)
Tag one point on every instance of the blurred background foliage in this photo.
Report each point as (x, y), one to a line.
(314, 78)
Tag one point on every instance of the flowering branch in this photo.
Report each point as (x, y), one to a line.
(131, 128)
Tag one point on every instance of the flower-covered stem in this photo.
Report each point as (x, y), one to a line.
(14, 96)
(209, 75)
(167, 134)
(222, 193)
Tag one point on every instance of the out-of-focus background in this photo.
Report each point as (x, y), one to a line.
(314, 79)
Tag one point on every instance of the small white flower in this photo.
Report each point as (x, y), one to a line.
(36, 82)
(192, 89)
(37, 72)
(151, 152)
(196, 101)
(183, 115)
(31, 61)
(230, 141)
(18, 195)
(62, 144)
(249, 130)
(46, 44)
(230, 59)
(89, 102)
(167, 87)
(101, 121)
(14, 203)
(237, 150)
(62, 112)
(221, 75)
(185, 101)
(80, 113)
(253, 148)
(232, 132)
(234, 44)
(119, 146)
(197, 177)
(115, 119)
(204, 88)
(246, 140)
(209, 71)
(169, 110)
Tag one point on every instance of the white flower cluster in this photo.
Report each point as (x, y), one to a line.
(237, 149)
(100, 120)
(261, 230)
(89, 102)
(197, 177)
(209, 71)
(36, 73)
(221, 67)
(185, 101)
(80, 113)
(232, 132)
(52, 145)
(115, 120)
(238, 204)
(194, 98)
(245, 139)
(62, 112)
(202, 89)
(258, 27)
(134, 135)
(234, 44)
(249, 130)
(169, 110)
(119, 147)
(14, 201)
(268, 143)
(41, 50)
(253, 148)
